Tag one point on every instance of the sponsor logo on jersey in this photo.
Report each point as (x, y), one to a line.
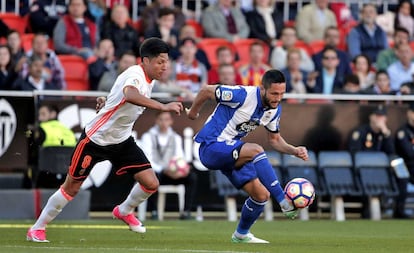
(249, 126)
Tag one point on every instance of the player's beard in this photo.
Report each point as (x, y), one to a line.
(267, 103)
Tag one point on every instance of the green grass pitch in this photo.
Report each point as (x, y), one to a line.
(104, 235)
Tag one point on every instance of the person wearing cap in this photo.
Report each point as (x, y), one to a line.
(404, 144)
(374, 136)
(187, 71)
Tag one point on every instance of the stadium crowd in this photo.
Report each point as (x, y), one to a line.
(322, 49)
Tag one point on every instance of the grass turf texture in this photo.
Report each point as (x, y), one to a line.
(213, 236)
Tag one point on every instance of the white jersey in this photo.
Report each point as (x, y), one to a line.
(114, 122)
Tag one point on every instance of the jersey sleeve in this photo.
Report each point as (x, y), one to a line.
(231, 96)
(274, 125)
(135, 82)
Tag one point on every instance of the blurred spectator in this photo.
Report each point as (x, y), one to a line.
(227, 74)
(332, 39)
(35, 80)
(406, 88)
(187, 71)
(161, 144)
(374, 136)
(363, 69)
(388, 56)
(405, 149)
(188, 31)
(14, 41)
(295, 76)
(50, 133)
(52, 68)
(150, 15)
(223, 20)
(74, 33)
(167, 85)
(265, 22)
(4, 29)
(312, 20)
(97, 9)
(224, 56)
(7, 72)
(126, 60)
(165, 28)
(402, 70)
(326, 80)
(351, 85)
(404, 17)
(124, 36)
(105, 62)
(251, 73)
(381, 86)
(288, 40)
(44, 15)
(367, 37)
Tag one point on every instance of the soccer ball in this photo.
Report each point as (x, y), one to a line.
(300, 192)
(178, 167)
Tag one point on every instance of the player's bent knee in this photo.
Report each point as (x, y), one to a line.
(254, 148)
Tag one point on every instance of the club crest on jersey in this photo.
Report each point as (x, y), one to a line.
(227, 95)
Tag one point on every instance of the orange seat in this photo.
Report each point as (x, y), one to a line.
(197, 27)
(210, 45)
(305, 46)
(76, 72)
(317, 45)
(243, 49)
(14, 21)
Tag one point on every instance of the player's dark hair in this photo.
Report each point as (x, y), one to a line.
(153, 47)
(272, 76)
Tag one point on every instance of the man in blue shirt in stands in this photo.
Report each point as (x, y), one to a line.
(240, 110)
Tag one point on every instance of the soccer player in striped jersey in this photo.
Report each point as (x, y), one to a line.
(240, 110)
(108, 137)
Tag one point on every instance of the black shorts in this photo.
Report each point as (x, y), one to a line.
(126, 157)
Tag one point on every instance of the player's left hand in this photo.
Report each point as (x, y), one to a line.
(302, 153)
(176, 107)
(191, 114)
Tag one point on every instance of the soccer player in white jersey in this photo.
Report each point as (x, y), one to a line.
(108, 137)
(240, 110)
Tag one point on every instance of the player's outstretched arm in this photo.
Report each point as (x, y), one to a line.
(133, 96)
(206, 92)
(278, 143)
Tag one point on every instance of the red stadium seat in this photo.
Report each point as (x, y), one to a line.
(14, 21)
(317, 45)
(210, 45)
(243, 49)
(76, 72)
(27, 39)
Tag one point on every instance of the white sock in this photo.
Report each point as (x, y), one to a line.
(53, 207)
(135, 197)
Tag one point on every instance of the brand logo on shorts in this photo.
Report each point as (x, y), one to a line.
(86, 162)
(8, 124)
(235, 154)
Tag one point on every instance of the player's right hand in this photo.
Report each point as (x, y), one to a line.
(191, 114)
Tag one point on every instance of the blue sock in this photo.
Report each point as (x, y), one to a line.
(267, 176)
(251, 210)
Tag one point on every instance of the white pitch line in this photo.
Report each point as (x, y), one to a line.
(121, 249)
(81, 226)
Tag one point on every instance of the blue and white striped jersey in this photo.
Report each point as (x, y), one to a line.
(238, 112)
